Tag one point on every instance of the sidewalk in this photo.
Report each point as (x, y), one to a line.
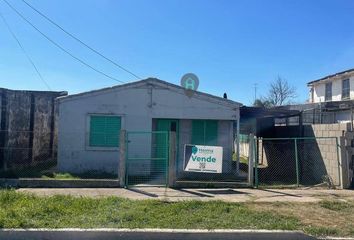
(229, 195)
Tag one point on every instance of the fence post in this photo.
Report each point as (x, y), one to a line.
(255, 146)
(340, 144)
(172, 160)
(122, 158)
(251, 160)
(238, 147)
(297, 164)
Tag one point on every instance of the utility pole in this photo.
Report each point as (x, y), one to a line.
(255, 91)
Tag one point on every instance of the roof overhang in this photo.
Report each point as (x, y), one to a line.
(339, 75)
(260, 112)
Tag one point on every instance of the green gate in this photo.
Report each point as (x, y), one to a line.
(147, 158)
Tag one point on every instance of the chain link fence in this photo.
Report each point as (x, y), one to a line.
(27, 154)
(74, 155)
(232, 170)
(36, 154)
(297, 162)
(147, 158)
(278, 161)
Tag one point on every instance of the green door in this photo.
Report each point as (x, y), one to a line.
(205, 132)
(162, 143)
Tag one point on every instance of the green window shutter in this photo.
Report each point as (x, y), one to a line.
(198, 132)
(104, 131)
(211, 132)
(204, 132)
(113, 125)
(97, 131)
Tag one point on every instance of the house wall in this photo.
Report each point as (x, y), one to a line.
(319, 90)
(137, 106)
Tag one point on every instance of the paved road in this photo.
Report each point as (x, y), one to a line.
(116, 234)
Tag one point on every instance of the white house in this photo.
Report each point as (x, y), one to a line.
(90, 123)
(335, 87)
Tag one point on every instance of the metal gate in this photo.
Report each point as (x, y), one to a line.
(147, 158)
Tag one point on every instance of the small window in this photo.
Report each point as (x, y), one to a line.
(104, 131)
(345, 89)
(205, 132)
(328, 93)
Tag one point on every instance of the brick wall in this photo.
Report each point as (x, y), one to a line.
(327, 158)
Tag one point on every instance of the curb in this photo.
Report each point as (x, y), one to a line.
(148, 230)
(151, 234)
(337, 238)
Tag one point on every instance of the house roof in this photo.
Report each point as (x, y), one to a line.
(261, 112)
(152, 81)
(330, 76)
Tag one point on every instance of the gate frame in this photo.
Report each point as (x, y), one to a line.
(123, 157)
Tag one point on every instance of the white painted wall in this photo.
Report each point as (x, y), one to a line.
(319, 90)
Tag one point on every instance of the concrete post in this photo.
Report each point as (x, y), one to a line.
(238, 147)
(251, 160)
(297, 164)
(122, 158)
(343, 163)
(172, 161)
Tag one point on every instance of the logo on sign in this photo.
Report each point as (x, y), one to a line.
(190, 83)
(194, 150)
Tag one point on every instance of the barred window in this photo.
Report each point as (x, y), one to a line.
(345, 89)
(328, 93)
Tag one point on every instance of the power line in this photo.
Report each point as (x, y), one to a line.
(60, 47)
(24, 51)
(80, 41)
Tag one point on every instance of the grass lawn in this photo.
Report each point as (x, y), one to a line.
(60, 176)
(20, 210)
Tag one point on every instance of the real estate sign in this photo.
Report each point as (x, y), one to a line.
(199, 158)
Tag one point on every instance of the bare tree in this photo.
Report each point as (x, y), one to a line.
(281, 92)
(261, 102)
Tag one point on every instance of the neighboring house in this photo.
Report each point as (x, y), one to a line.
(335, 87)
(27, 127)
(331, 100)
(90, 122)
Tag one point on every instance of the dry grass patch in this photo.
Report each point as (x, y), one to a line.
(334, 218)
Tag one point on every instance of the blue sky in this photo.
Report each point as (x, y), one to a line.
(229, 44)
